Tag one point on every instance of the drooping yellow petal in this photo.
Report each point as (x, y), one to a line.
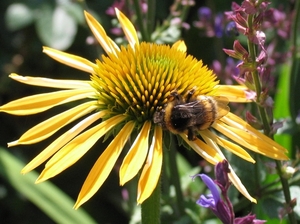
(128, 29)
(54, 83)
(210, 142)
(234, 148)
(63, 140)
(232, 175)
(204, 150)
(250, 140)
(104, 165)
(180, 46)
(238, 184)
(136, 155)
(42, 102)
(70, 60)
(237, 122)
(49, 127)
(152, 168)
(107, 44)
(77, 147)
(238, 136)
(234, 93)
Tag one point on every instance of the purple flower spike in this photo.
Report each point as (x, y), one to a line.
(213, 200)
(207, 201)
(212, 187)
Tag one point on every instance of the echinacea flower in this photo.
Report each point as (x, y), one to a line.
(124, 90)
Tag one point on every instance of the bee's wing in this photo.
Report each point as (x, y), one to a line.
(222, 106)
(190, 109)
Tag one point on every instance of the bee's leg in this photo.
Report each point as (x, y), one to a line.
(176, 96)
(191, 134)
(189, 95)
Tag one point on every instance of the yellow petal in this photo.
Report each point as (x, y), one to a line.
(136, 156)
(249, 141)
(236, 121)
(234, 148)
(128, 29)
(104, 165)
(70, 60)
(41, 102)
(249, 137)
(49, 127)
(234, 93)
(207, 152)
(152, 168)
(180, 46)
(107, 44)
(238, 184)
(233, 177)
(76, 148)
(54, 83)
(63, 140)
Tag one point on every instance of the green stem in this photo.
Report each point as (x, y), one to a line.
(151, 16)
(286, 192)
(295, 61)
(252, 55)
(264, 118)
(175, 176)
(184, 12)
(140, 21)
(257, 83)
(151, 207)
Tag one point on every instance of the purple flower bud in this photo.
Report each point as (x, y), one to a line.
(219, 25)
(216, 66)
(231, 29)
(275, 126)
(221, 173)
(204, 14)
(249, 219)
(235, 6)
(249, 7)
(240, 50)
(253, 121)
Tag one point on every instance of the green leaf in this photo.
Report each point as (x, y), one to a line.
(281, 104)
(186, 172)
(56, 28)
(46, 196)
(75, 10)
(18, 16)
(268, 209)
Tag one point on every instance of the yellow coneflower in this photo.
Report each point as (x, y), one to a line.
(126, 88)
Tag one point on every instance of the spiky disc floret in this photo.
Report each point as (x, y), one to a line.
(136, 81)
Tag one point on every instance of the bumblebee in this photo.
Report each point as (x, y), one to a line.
(189, 114)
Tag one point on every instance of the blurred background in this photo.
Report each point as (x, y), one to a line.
(28, 25)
